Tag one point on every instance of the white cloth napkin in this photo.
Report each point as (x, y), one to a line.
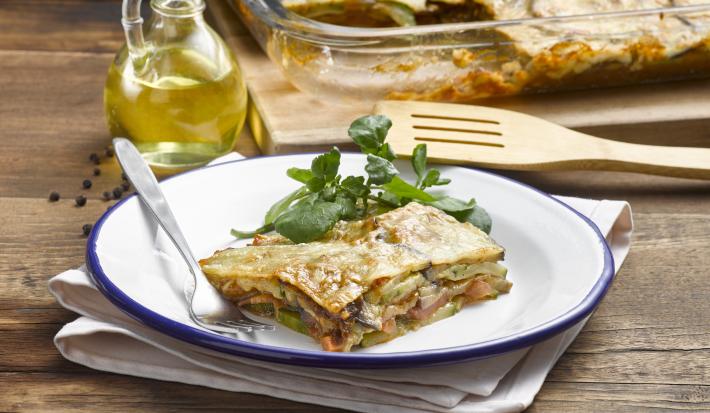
(106, 339)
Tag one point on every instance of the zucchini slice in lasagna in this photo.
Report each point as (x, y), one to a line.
(365, 282)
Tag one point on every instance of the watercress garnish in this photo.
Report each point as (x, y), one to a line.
(479, 217)
(369, 132)
(326, 197)
(379, 170)
(309, 220)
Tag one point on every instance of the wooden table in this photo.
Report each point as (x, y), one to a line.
(646, 348)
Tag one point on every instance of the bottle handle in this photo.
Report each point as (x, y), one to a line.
(133, 28)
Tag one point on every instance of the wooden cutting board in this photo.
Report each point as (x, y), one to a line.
(284, 119)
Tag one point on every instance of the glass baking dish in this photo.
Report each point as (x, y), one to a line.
(473, 60)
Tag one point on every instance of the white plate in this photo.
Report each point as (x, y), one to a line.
(558, 262)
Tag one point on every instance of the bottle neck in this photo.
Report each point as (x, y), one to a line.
(178, 8)
(175, 18)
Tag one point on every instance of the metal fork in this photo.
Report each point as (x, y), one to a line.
(206, 307)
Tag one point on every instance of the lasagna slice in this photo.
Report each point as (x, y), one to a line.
(365, 282)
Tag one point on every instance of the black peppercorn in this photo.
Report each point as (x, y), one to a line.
(94, 158)
(108, 152)
(86, 184)
(126, 186)
(124, 176)
(54, 196)
(87, 229)
(80, 200)
(97, 171)
(117, 193)
(107, 195)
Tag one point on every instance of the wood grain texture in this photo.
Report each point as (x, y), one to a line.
(87, 390)
(67, 25)
(645, 349)
(494, 138)
(641, 114)
(631, 398)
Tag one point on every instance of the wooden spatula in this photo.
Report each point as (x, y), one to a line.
(502, 139)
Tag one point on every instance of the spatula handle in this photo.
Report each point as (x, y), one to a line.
(681, 162)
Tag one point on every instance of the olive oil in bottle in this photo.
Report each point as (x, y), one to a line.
(180, 97)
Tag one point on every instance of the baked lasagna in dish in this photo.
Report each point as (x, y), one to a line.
(365, 282)
(526, 54)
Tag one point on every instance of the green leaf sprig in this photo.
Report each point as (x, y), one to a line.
(326, 197)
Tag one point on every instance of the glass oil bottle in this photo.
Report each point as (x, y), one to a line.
(175, 92)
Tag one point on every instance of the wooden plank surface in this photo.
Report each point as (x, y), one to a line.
(645, 349)
(644, 114)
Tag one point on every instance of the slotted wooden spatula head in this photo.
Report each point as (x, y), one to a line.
(503, 139)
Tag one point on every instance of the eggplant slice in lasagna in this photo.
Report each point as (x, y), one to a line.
(366, 282)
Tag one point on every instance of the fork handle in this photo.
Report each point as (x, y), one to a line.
(680, 162)
(145, 183)
(149, 192)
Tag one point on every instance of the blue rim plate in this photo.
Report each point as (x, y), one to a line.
(591, 246)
